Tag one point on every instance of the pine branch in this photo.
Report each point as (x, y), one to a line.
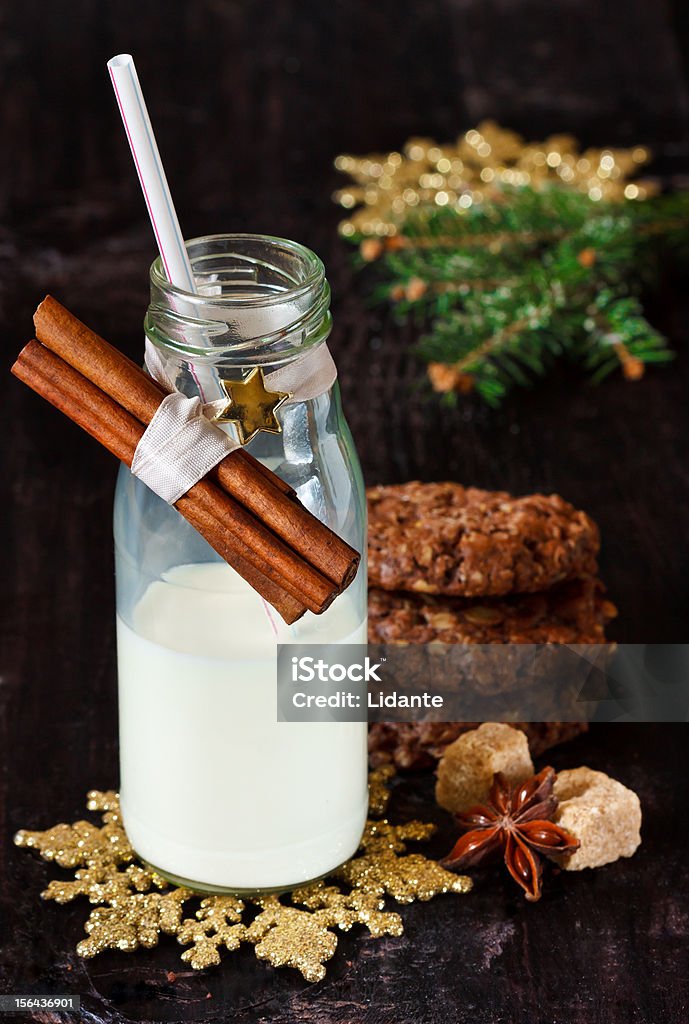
(504, 292)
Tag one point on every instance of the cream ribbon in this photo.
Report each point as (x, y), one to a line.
(181, 443)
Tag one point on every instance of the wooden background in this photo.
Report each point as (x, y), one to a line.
(252, 100)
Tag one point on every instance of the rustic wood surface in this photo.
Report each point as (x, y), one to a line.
(251, 102)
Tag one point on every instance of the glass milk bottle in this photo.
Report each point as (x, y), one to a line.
(216, 793)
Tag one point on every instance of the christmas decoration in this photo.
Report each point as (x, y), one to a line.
(515, 253)
(251, 407)
(135, 906)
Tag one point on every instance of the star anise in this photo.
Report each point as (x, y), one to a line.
(516, 821)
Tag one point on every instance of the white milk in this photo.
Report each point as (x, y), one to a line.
(214, 789)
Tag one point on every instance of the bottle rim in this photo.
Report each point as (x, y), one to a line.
(261, 299)
(312, 264)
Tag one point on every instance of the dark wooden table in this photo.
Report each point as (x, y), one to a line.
(252, 102)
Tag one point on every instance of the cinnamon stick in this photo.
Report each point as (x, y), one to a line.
(65, 335)
(237, 536)
(119, 435)
(239, 474)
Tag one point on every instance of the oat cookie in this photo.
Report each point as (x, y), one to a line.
(572, 613)
(443, 538)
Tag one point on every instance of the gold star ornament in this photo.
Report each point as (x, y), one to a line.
(251, 407)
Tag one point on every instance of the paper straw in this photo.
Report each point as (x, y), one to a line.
(149, 167)
(161, 209)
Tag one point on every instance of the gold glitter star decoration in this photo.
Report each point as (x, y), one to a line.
(250, 406)
(478, 165)
(134, 906)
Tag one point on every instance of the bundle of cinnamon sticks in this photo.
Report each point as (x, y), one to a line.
(244, 511)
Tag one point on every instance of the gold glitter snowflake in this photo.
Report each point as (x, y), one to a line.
(135, 906)
(386, 186)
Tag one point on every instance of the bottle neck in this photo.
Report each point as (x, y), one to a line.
(260, 302)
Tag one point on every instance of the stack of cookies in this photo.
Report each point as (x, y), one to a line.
(459, 565)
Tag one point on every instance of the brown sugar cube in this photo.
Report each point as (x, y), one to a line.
(466, 769)
(603, 814)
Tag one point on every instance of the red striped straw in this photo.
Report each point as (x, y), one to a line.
(149, 167)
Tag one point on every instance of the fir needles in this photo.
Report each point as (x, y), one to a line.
(528, 273)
